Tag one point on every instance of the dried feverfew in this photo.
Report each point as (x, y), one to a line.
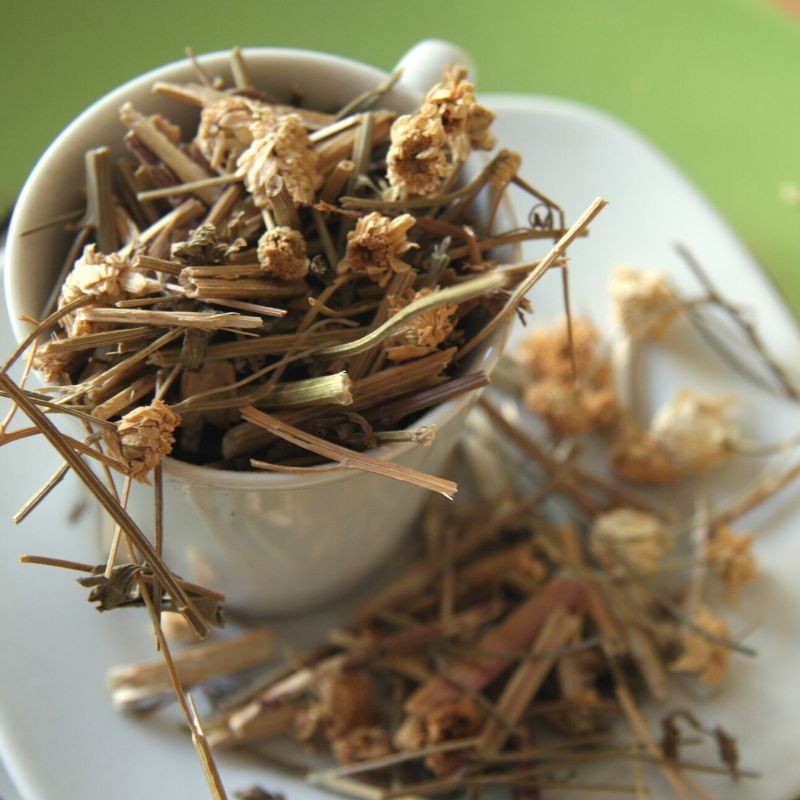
(143, 437)
(374, 245)
(424, 332)
(701, 655)
(644, 303)
(466, 122)
(638, 456)
(224, 132)
(445, 723)
(570, 410)
(417, 160)
(280, 147)
(347, 700)
(361, 744)
(53, 365)
(732, 560)
(626, 534)
(104, 278)
(546, 353)
(282, 253)
(203, 247)
(696, 429)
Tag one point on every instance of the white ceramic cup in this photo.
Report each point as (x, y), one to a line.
(273, 543)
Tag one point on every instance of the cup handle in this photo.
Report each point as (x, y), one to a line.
(425, 62)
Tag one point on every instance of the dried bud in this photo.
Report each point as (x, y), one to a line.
(361, 744)
(143, 437)
(422, 333)
(280, 147)
(373, 247)
(732, 560)
(570, 411)
(700, 654)
(696, 429)
(417, 162)
(105, 278)
(638, 456)
(638, 536)
(282, 253)
(504, 168)
(644, 303)
(224, 132)
(201, 248)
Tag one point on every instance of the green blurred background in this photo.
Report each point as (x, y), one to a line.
(713, 83)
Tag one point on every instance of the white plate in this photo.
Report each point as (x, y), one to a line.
(59, 736)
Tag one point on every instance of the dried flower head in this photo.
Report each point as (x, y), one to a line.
(361, 744)
(696, 429)
(280, 147)
(202, 248)
(626, 534)
(639, 457)
(417, 161)
(446, 723)
(422, 333)
(731, 559)
(143, 437)
(466, 122)
(700, 654)
(106, 279)
(224, 132)
(546, 353)
(282, 253)
(570, 410)
(53, 365)
(348, 701)
(644, 303)
(375, 244)
(478, 124)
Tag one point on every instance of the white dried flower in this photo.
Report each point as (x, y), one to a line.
(375, 244)
(732, 560)
(466, 122)
(424, 332)
(224, 132)
(703, 656)
(638, 536)
(417, 162)
(280, 147)
(644, 303)
(143, 437)
(104, 278)
(696, 429)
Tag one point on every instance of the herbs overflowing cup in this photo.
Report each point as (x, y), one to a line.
(274, 288)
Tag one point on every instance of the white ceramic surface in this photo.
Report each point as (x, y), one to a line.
(273, 543)
(58, 732)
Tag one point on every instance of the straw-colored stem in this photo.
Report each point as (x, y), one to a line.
(109, 503)
(349, 458)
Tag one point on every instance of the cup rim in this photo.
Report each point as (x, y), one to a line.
(174, 468)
